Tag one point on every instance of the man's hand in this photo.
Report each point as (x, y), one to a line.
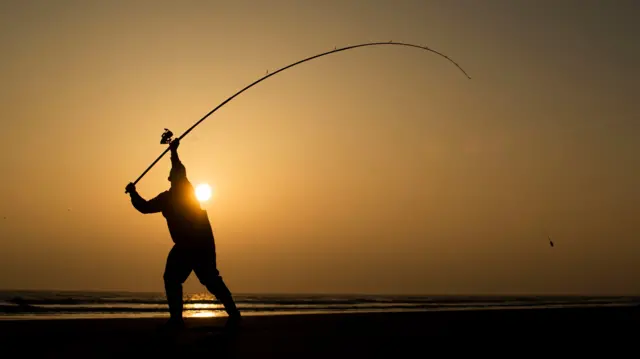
(174, 144)
(131, 188)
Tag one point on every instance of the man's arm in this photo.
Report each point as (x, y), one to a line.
(175, 160)
(178, 171)
(154, 205)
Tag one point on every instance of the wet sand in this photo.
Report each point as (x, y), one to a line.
(612, 331)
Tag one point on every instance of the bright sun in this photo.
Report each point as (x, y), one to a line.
(203, 192)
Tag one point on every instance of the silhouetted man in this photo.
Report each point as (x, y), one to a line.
(194, 246)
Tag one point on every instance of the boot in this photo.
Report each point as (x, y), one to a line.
(174, 300)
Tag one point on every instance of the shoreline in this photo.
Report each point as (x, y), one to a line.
(220, 314)
(116, 312)
(331, 335)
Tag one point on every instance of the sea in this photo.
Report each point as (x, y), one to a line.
(70, 305)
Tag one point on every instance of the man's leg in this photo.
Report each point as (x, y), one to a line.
(207, 273)
(176, 272)
(218, 288)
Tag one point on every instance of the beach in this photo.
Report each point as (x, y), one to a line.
(514, 332)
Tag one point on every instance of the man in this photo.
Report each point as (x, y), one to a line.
(194, 246)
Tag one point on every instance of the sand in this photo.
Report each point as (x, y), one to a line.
(514, 332)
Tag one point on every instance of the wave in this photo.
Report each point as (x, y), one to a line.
(78, 309)
(69, 303)
(73, 298)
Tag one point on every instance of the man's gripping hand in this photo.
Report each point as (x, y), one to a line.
(131, 188)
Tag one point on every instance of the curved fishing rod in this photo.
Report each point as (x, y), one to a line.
(286, 67)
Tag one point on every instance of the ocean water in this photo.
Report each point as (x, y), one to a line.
(48, 305)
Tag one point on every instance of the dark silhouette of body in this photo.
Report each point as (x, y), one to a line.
(194, 245)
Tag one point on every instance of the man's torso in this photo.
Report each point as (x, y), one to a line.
(188, 223)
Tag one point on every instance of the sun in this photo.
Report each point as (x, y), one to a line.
(203, 192)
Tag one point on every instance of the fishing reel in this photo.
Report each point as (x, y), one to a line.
(166, 139)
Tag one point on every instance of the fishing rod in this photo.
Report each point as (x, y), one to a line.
(166, 136)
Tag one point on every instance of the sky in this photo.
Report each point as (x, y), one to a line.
(375, 170)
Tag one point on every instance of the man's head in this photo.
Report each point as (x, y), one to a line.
(177, 174)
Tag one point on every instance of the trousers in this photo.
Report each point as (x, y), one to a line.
(181, 261)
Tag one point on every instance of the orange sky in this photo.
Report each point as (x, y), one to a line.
(379, 170)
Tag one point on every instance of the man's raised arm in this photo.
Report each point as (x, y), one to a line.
(154, 205)
(175, 159)
(178, 172)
